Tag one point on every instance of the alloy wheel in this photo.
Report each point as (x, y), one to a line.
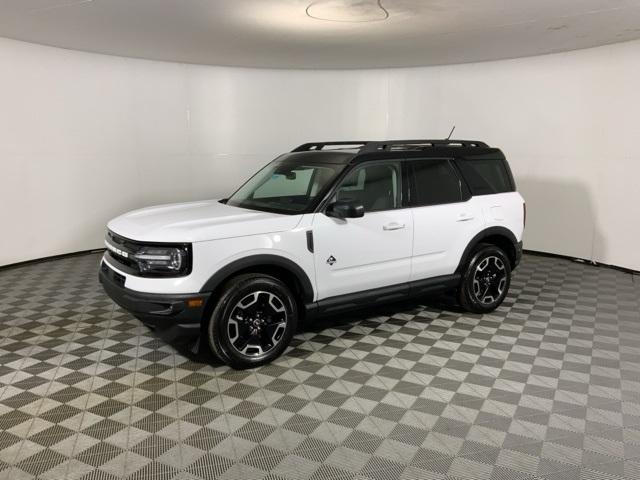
(257, 323)
(489, 280)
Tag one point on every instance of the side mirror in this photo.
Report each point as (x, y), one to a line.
(345, 209)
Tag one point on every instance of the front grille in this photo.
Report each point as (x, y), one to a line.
(127, 246)
(123, 261)
(123, 243)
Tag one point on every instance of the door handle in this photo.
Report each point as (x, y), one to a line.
(393, 226)
(465, 217)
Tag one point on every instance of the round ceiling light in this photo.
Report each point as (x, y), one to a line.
(351, 11)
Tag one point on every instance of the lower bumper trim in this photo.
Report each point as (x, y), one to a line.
(170, 311)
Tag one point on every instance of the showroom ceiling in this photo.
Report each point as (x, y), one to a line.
(321, 33)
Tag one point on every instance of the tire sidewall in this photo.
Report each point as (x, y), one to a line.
(217, 331)
(468, 299)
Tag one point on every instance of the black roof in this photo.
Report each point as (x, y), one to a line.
(344, 152)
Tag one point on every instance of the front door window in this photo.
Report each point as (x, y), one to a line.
(376, 187)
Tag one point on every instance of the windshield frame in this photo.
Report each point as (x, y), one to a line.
(339, 168)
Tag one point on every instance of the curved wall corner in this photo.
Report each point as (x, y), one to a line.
(85, 137)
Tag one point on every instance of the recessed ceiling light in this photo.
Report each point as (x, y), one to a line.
(351, 11)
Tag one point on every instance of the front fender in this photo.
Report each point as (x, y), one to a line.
(275, 259)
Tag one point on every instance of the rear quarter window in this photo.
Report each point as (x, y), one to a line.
(486, 176)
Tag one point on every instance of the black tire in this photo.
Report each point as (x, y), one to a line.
(485, 280)
(253, 321)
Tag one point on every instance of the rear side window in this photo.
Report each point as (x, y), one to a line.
(435, 183)
(486, 176)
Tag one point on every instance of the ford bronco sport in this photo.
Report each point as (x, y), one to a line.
(328, 227)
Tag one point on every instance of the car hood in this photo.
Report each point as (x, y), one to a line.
(198, 221)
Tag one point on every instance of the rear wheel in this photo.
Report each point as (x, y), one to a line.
(485, 280)
(253, 321)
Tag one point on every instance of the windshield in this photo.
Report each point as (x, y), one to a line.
(285, 187)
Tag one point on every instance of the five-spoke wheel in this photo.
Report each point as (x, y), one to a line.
(489, 280)
(485, 280)
(253, 321)
(257, 323)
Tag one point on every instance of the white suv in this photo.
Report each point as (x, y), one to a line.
(329, 227)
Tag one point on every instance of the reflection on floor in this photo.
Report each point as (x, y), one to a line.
(547, 387)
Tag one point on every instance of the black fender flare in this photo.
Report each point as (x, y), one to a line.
(487, 232)
(261, 260)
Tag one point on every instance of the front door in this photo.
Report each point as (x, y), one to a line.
(358, 254)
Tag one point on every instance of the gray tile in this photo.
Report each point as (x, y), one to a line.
(545, 387)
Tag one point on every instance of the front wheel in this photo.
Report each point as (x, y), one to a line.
(485, 280)
(253, 321)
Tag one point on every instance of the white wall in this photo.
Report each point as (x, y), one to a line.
(84, 137)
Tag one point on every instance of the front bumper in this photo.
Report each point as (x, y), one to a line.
(170, 314)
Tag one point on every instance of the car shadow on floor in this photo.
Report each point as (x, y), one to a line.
(201, 353)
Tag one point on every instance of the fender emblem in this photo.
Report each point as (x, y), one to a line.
(331, 260)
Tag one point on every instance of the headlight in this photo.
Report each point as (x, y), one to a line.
(161, 259)
(149, 260)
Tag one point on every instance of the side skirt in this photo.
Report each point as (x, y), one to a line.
(382, 295)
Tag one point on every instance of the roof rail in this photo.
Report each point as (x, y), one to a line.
(388, 145)
(313, 146)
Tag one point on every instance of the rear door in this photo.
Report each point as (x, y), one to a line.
(445, 217)
(358, 254)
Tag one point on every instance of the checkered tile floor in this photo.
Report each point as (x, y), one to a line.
(546, 387)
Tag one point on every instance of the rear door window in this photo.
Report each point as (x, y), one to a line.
(435, 182)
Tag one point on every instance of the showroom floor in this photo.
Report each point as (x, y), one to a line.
(547, 387)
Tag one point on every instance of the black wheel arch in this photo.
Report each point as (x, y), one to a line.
(500, 236)
(276, 265)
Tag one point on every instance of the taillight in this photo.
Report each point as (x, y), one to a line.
(524, 214)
